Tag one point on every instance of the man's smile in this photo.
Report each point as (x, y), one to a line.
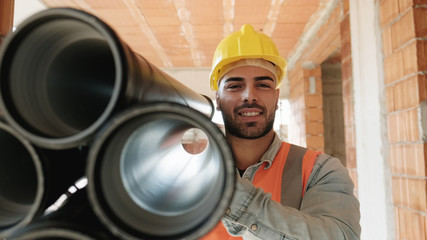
(249, 114)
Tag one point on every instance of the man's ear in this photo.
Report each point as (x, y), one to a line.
(277, 98)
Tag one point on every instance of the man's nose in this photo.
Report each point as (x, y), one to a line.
(249, 95)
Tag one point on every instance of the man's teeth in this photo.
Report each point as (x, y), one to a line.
(250, 114)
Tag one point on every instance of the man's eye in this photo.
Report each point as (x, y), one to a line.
(264, 85)
(234, 86)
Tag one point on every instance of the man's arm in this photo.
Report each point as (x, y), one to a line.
(329, 210)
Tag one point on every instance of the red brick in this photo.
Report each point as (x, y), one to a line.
(316, 72)
(403, 30)
(387, 41)
(417, 228)
(314, 114)
(404, 5)
(397, 218)
(422, 87)
(345, 47)
(406, 93)
(389, 93)
(396, 159)
(403, 126)
(396, 183)
(415, 159)
(346, 6)
(314, 100)
(419, 2)
(315, 142)
(420, 20)
(6, 17)
(410, 59)
(394, 67)
(345, 27)
(393, 128)
(421, 51)
(389, 10)
(417, 193)
(314, 128)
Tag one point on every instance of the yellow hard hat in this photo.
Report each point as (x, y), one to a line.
(245, 44)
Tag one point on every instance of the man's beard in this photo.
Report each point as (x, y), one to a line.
(241, 130)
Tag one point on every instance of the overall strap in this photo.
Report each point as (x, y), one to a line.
(296, 172)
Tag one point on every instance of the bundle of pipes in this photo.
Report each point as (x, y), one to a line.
(79, 103)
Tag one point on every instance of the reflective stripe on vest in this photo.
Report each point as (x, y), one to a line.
(287, 176)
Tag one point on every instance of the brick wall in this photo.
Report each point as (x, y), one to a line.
(306, 105)
(306, 125)
(305, 102)
(404, 33)
(297, 129)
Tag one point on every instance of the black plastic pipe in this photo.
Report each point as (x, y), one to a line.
(31, 179)
(74, 220)
(64, 72)
(145, 184)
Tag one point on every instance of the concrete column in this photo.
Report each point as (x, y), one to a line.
(374, 179)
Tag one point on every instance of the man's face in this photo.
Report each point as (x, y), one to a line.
(247, 97)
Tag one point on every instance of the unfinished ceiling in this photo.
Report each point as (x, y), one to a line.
(184, 33)
(180, 34)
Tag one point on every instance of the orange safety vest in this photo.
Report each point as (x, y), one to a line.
(287, 176)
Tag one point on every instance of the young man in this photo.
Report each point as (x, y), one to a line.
(283, 191)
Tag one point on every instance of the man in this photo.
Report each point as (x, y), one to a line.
(283, 191)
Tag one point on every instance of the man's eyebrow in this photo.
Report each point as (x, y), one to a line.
(260, 78)
(234, 79)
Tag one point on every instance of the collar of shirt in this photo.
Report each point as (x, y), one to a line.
(271, 152)
(267, 157)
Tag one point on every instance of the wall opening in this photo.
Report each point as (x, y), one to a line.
(333, 113)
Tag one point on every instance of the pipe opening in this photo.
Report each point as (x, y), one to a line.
(160, 175)
(155, 187)
(68, 80)
(194, 141)
(18, 180)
